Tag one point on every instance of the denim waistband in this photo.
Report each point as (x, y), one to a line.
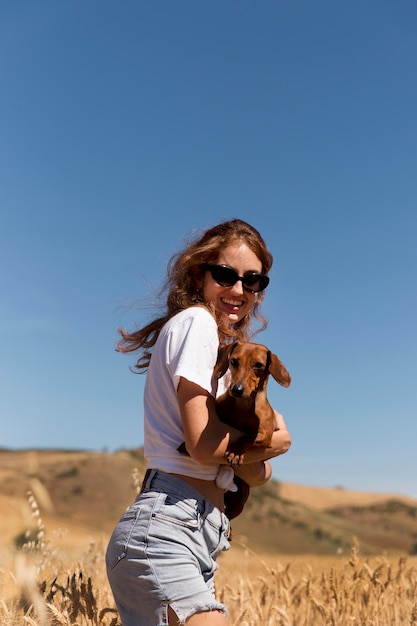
(158, 480)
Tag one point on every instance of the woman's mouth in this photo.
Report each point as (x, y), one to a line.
(232, 304)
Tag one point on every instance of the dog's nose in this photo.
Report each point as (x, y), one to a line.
(238, 390)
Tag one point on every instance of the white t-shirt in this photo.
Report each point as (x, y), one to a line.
(186, 347)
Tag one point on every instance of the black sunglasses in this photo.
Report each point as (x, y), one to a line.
(227, 277)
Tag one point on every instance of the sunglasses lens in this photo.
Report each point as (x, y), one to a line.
(255, 282)
(251, 280)
(225, 276)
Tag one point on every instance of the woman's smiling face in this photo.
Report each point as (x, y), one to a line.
(234, 300)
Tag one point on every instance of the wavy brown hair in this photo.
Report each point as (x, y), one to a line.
(184, 275)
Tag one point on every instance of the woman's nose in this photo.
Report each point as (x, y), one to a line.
(237, 288)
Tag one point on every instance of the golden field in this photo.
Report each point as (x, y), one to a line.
(55, 575)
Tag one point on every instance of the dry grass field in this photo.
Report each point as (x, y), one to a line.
(49, 586)
(55, 574)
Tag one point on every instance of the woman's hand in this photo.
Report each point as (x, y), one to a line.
(259, 472)
(280, 444)
(254, 474)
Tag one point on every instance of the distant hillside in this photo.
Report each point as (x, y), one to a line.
(89, 491)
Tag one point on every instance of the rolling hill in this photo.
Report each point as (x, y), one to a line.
(82, 493)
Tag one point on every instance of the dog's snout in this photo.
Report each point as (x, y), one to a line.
(238, 390)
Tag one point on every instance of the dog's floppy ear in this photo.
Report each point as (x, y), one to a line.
(223, 357)
(279, 371)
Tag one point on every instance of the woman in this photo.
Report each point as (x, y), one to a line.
(161, 557)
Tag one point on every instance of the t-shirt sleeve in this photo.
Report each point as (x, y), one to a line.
(192, 349)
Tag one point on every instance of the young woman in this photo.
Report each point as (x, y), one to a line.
(162, 554)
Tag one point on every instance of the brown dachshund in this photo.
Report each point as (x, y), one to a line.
(244, 405)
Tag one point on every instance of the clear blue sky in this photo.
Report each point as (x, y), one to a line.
(127, 125)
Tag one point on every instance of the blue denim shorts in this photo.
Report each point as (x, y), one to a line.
(163, 553)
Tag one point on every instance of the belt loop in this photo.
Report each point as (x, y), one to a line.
(147, 479)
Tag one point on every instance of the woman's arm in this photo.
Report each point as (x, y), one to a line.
(258, 473)
(280, 444)
(207, 439)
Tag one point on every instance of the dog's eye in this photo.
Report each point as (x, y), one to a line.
(258, 366)
(234, 362)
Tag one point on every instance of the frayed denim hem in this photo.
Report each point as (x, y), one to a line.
(202, 608)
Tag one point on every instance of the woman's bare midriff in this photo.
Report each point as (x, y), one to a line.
(207, 488)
